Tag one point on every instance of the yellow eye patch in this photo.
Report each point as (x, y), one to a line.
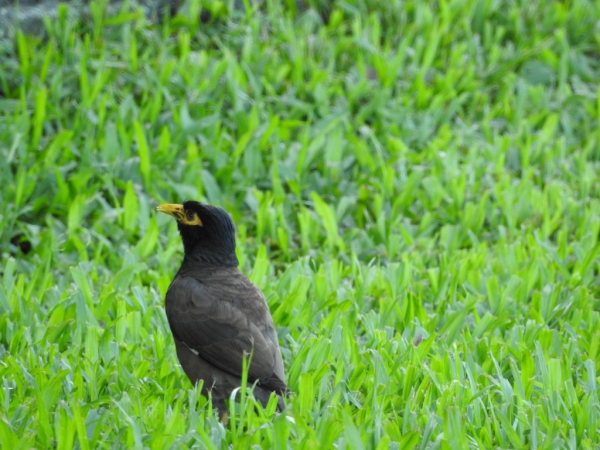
(191, 218)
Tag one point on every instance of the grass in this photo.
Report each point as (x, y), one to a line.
(415, 188)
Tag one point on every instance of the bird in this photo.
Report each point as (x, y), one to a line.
(217, 315)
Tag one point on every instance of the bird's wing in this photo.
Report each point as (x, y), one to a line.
(223, 322)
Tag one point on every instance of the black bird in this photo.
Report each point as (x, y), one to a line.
(217, 315)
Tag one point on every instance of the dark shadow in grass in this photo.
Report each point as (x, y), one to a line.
(18, 244)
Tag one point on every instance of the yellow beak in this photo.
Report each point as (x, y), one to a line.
(172, 210)
(178, 212)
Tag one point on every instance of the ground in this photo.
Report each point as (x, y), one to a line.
(415, 187)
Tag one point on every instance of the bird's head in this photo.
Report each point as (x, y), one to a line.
(207, 232)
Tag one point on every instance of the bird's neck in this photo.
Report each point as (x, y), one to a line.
(210, 258)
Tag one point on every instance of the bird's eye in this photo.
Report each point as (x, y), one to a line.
(190, 215)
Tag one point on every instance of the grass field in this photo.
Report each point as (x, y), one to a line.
(415, 186)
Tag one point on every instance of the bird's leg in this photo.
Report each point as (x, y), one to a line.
(224, 418)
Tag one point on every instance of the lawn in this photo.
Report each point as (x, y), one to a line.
(416, 189)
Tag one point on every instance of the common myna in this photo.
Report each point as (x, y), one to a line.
(217, 315)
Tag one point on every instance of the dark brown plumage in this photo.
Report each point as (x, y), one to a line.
(216, 314)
